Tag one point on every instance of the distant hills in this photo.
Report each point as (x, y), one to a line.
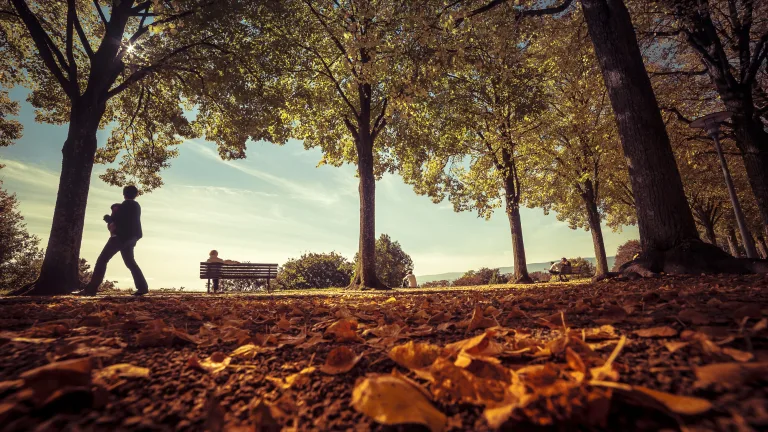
(532, 267)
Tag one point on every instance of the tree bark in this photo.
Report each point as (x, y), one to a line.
(365, 273)
(59, 272)
(752, 140)
(762, 247)
(733, 245)
(593, 217)
(664, 218)
(512, 200)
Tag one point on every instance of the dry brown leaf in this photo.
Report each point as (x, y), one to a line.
(603, 332)
(123, 370)
(344, 330)
(340, 360)
(248, 351)
(214, 415)
(296, 379)
(262, 417)
(481, 345)
(415, 355)
(554, 321)
(284, 324)
(738, 355)
(675, 345)
(480, 321)
(656, 332)
(730, 375)
(693, 316)
(46, 380)
(686, 405)
(214, 364)
(611, 315)
(390, 400)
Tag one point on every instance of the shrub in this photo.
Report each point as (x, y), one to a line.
(583, 264)
(484, 276)
(436, 284)
(392, 263)
(625, 253)
(315, 270)
(20, 255)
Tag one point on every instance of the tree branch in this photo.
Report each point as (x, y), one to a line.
(552, 10)
(101, 13)
(70, 43)
(40, 37)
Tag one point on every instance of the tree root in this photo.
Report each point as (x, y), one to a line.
(358, 284)
(524, 280)
(690, 257)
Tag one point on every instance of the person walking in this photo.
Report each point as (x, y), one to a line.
(127, 233)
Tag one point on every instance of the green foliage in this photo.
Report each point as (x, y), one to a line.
(392, 263)
(436, 284)
(315, 270)
(626, 253)
(583, 264)
(20, 255)
(138, 66)
(577, 155)
(483, 276)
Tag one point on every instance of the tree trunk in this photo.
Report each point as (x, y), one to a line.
(59, 272)
(520, 275)
(593, 216)
(733, 246)
(664, 218)
(365, 273)
(752, 140)
(512, 201)
(762, 247)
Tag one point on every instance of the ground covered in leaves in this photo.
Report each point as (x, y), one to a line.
(671, 353)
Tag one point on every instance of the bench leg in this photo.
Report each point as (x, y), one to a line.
(209, 286)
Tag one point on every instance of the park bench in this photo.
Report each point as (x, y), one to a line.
(209, 270)
(574, 271)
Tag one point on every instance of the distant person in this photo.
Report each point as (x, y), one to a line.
(409, 281)
(554, 269)
(213, 257)
(125, 233)
(565, 269)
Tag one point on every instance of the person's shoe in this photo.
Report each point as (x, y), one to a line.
(140, 293)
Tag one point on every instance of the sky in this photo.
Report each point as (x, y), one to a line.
(274, 205)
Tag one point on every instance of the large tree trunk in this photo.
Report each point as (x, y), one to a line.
(512, 201)
(593, 216)
(520, 275)
(59, 272)
(762, 247)
(365, 273)
(664, 219)
(668, 233)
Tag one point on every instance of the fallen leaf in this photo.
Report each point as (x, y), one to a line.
(262, 417)
(46, 380)
(214, 364)
(480, 321)
(675, 345)
(656, 332)
(738, 355)
(390, 300)
(390, 400)
(344, 330)
(296, 379)
(730, 375)
(686, 405)
(693, 317)
(415, 355)
(249, 351)
(340, 360)
(554, 321)
(124, 370)
(482, 344)
(214, 415)
(612, 315)
(603, 332)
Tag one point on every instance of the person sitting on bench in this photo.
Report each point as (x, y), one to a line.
(213, 257)
(409, 281)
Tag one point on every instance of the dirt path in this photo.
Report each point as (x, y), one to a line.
(195, 362)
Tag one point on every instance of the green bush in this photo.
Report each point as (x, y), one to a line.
(436, 284)
(484, 276)
(583, 264)
(315, 270)
(392, 263)
(625, 253)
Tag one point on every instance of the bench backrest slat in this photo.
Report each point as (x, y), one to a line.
(237, 271)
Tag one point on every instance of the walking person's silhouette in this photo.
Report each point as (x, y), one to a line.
(127, 220)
